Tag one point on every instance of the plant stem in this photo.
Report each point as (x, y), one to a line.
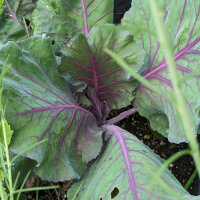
(172, 159)
(121, 116)
(189, 182)
(181, 105)
(12, 14)
(26, 28)
(7, 158)
(2, 191)
(37, 192)
(35, 189)
(158, 181)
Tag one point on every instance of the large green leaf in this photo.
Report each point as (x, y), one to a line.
(85, 60)
(122, 173)
(182, 22)
(63, 19)
(38, 108)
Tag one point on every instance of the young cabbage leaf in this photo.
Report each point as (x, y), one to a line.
(40, 107)
(182, 21)
(85, 60)
(121, 173)
(63, 19)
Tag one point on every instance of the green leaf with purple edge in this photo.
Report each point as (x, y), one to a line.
(182, 21)
(120, 173)
(85, 60)
(40, 107)
(63, 19)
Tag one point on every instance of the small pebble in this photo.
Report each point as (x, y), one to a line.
(29, 196)
(171, 165)
(147, 137)
(162, 143)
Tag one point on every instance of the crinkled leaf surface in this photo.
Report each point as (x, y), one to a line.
(38, 108)
(85, 60)
(182, 21)
(121, 168)
(12, 28)
(63, 19)
(78, 89)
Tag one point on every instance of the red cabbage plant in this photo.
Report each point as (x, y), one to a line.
(62, 86)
